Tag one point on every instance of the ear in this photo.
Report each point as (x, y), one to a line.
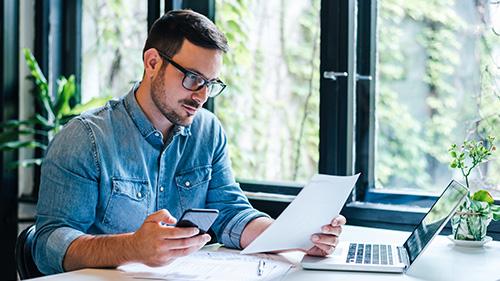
(152, 63)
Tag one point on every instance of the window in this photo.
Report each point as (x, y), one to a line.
(270, 110)
(114, 33)
(437, 83)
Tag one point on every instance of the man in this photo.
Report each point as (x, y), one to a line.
(114, 180)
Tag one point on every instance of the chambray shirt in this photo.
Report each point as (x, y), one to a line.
(108, 169)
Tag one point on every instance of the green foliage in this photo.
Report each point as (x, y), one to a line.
(114, 31)
(56, 111)
(269, 133)
(473, 216)
(470, 154)
(483, 196)
(472, 219)
(411, 146)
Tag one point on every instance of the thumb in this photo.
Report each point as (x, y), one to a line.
(161, 216)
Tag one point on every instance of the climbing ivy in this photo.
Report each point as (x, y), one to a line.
(271, 114)
(428, 95)
(411, 147)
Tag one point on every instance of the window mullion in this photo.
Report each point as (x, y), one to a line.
(336, 96)
(365, 97)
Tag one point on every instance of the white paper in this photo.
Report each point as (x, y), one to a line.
(316, 205)
(212, 266)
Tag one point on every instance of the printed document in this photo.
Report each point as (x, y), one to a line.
(207, 265)
(316, 205)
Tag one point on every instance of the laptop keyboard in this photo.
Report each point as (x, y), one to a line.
(370, 254)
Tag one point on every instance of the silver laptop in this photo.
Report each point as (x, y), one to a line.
(353, 256)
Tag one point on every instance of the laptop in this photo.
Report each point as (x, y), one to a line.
(354, 256)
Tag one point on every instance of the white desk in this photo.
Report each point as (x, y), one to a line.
(441, 261)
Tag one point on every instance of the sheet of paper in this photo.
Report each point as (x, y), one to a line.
(316, 205)
(209, 265)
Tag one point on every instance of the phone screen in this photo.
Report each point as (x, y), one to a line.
(200, 218)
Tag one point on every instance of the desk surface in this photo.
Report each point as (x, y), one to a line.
(441, 261)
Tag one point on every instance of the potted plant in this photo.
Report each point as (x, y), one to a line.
(56, 111)
(473, 216)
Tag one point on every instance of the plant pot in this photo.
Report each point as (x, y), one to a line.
(471, 221)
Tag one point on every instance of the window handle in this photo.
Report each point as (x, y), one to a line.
(363, 77)
(332, 75)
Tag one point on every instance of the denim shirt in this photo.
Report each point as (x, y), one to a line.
(108, 169)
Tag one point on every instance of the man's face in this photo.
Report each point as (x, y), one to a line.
(176, 103)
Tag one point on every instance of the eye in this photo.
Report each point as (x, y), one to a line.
(195, 79)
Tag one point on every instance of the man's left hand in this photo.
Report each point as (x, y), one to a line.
(326, 241)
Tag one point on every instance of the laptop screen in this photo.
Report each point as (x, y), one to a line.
(435, 219)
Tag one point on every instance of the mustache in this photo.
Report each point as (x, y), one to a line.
(191, 103)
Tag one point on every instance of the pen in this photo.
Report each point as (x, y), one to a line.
(260, 267)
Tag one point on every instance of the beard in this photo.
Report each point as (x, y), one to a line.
(158, 92)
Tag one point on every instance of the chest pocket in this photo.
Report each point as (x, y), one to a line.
(192, 185)
(127, 205)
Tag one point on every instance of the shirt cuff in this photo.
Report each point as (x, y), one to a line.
(58, 243)
(232, 233)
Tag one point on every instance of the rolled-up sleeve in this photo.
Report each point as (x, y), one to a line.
(224, 194)
(67, 197)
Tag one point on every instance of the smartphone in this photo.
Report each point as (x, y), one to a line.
(200, 218)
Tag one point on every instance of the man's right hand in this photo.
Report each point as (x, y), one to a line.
(155, 243)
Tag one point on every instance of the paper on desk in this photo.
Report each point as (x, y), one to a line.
(211, 266)
(316, 205)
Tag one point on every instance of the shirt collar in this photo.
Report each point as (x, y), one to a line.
(141, 120)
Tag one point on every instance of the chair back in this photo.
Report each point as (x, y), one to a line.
(24, 258)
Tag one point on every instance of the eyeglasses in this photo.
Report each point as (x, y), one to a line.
(194, 82)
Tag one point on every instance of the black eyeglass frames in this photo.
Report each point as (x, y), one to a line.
(194, 82)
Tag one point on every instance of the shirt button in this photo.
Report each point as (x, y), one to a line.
(162, 189)
(187, 183)
(139, 195)
(157, 134)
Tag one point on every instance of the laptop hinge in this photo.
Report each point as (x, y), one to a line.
(404, 256)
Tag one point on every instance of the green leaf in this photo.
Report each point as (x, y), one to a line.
(495, 210)
(13, 134)
(65, 92)
(42, 94)
(93, 103)
(18, 123)
(483, 196)
(26, 163)
(21, 144)
(36, 72)
(43, 121)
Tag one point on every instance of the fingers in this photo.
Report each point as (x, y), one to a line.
(332, 230)
(339, 220)
(185, 251)
(316, 251)
(197, 241)
(324, 239)
(161, 216)
(188, 246)
(171, 232)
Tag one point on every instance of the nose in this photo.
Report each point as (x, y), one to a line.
(201, 95)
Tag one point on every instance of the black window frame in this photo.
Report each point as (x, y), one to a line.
(9, 103)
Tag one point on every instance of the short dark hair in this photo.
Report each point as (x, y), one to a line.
(169, 31)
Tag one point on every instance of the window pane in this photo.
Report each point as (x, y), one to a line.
(270, 110)
(114, 33)
(438, 84)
